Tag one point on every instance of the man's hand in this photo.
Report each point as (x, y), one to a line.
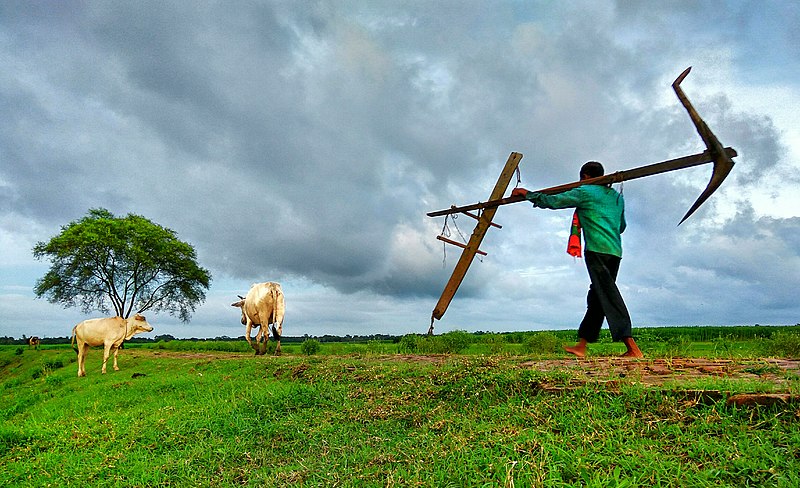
(519, 192)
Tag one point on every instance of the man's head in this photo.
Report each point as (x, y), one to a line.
(592, 169)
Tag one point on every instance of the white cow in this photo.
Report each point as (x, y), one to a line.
(263, 305)
(108, 332)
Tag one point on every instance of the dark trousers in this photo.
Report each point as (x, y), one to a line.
(604, 300)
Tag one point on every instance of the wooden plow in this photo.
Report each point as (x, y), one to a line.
(714, 153)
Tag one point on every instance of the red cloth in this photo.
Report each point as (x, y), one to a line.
(574, 242)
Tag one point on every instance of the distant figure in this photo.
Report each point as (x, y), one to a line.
(33, 342)
(108, 332)
(600, 213)
(263, 305)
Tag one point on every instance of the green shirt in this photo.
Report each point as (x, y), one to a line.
(601, 211)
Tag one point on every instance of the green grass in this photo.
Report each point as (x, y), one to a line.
(188, 418)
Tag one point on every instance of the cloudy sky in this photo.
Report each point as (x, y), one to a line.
(304, 142)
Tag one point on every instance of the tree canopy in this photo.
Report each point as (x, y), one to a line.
(125, 264)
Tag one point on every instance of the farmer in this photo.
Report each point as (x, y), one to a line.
(600, 213)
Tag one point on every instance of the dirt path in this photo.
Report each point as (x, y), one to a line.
(660, 371)
(657, 372)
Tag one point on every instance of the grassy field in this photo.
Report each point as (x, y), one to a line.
(376, 415)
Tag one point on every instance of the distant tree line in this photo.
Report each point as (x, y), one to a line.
(6, 340)
(693, 333)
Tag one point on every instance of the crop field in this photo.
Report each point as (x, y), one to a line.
(455, 410)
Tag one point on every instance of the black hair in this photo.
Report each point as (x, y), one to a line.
(592, 169)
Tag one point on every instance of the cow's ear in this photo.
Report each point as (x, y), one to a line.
(239, 304)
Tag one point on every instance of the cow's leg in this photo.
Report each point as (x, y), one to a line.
(247, 330)
(261, 341)
(82, 350)
(277, 323)
(277, 326)
(106, 353)
(258, 339)
(276, 334)
(116, 366)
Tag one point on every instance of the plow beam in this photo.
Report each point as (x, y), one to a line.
(618, 177)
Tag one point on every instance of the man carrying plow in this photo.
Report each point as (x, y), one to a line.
(600, 211)
(600, 214)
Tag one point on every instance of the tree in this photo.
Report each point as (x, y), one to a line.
(102, 262)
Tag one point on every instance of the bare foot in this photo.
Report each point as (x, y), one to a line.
(576, 350)
(633, 350)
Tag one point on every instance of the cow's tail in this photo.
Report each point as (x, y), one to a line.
(72, 340)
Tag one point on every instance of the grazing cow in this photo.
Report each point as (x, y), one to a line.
(33, 342)
(108, 332)
(263, 305)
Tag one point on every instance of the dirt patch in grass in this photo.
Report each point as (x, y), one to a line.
(659, 371)
(613, 372)
(203, 355)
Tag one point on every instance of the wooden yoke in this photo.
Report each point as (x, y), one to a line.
(471, 248)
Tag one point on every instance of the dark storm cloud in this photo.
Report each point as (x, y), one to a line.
(304, 141)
